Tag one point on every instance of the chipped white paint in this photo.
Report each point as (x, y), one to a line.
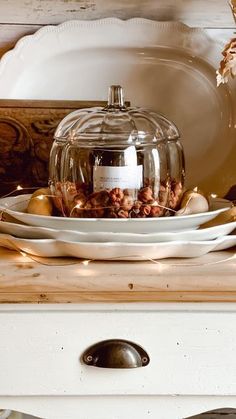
(23, 17)
(192, 366)
(205, 13)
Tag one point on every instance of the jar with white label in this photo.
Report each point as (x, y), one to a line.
(112, 162)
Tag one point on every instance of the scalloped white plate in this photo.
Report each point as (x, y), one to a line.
(118, 251)
(16, 207)
(29, 232)
(165, 66)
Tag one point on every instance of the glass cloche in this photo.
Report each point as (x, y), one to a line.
(116, 162)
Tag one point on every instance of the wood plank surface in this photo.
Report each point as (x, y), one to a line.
(204, 13)
(26, 280)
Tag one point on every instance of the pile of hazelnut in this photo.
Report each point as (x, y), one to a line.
(73, 200)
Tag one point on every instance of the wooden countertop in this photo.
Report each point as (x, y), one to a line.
(208, 278)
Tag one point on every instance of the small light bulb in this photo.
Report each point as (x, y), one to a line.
(86, 262)
(19, 188)
(214, 195)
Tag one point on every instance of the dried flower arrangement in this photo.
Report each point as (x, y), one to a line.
(228, 63)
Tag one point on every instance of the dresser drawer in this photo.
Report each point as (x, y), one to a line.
(191, 352)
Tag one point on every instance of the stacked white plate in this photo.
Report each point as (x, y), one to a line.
(111, 239)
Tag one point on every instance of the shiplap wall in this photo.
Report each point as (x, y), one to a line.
(21, 17)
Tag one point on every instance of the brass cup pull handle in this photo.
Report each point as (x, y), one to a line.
(116, 353)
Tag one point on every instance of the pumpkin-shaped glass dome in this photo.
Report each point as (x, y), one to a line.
(115, 119)
(115, 162)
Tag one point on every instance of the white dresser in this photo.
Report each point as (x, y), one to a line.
(170, 310)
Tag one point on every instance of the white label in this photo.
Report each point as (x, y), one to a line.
(123, 177)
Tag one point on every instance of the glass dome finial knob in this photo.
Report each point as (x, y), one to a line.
(116, 97)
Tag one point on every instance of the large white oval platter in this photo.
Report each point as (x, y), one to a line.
(29, 232)
(116, 251)
(165, 66)
(16, 207)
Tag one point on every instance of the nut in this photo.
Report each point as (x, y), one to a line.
(175, 194)
(117, 203)
(123, 214)
(71, 190)
(99, 199)
(156, 211)
(116, 195)
(145, 194)
(127, 203)
(97, 204)
(145, 210)
(163, 195)
(137, 205)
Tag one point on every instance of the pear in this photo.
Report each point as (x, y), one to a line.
(40, 203)
(224, 217)
(193, 203)
(41, 191)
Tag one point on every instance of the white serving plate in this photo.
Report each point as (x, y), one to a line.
(121, 251)
(165, 66)
(29, 232)
(15, 206)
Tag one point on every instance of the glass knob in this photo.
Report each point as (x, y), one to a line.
(115, 98)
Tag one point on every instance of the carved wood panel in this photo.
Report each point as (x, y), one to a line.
(26, 136)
